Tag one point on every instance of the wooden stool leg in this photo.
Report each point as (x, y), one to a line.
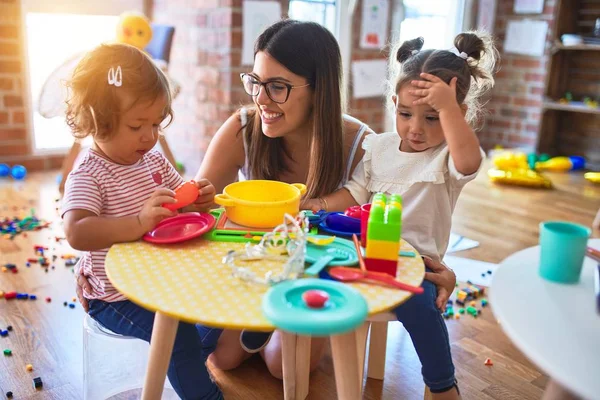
(427, 394)
(377, 347)
(345, 364)
(161, 347)
(296, 365)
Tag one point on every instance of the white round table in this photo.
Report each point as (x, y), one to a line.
(555, 325)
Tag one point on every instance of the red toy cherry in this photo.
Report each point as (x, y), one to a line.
(315, 298)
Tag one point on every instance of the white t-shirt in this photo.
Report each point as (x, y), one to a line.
(427, 181)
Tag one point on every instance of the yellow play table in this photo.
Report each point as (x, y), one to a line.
(188, 282)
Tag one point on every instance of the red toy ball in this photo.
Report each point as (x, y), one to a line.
(315, 298)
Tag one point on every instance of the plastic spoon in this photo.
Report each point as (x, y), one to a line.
(332, 254)
(346, 274)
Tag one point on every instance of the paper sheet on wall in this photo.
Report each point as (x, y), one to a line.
(529, 6)
(368, 78)
(526, 37)
(256, 16)
(374, 24)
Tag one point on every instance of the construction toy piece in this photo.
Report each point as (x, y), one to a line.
(29, 367)
(488, 362)
(3, 333)
(315, 298)
(185, 195)
(33, 297)
(461, 310)
(9, 395)
(10, 295)
(48, 299)
(9, 328)
(384, 229)
(484, 303)
(71, 305)
(37, 383)
(7, 352)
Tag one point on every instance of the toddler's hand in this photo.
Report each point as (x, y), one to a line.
(435, 92)
(445, 280)
(153, 212)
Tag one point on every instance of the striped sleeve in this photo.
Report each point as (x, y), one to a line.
(82, 192)
(172, 178)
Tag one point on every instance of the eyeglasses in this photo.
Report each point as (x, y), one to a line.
(276, 90)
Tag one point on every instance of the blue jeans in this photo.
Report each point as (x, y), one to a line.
(187, 369)
(427, 329)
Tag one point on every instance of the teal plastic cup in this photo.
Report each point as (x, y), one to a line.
(562, 247)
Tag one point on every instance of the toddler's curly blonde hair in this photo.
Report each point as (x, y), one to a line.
(94, 106)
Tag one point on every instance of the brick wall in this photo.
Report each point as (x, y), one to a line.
(369, 110)
(516, 104)
(205, 59)
(15, 141)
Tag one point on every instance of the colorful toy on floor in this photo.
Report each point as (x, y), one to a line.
(185, 195)
(11, 228)
(592, 176)
(383, 234)
(286, 307)
(18, 172)
(561, 164)
(519, 177)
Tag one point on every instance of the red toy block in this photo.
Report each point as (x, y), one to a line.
(385, 266)
(10, 295)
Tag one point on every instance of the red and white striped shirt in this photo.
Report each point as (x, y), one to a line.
(112, 190)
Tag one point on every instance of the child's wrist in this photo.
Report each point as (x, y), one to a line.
(323, 204)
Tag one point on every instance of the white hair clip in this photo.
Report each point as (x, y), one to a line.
(414, 52)
(460, 54)
(115, 77)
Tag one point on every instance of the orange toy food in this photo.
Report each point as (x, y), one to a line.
(185, 195)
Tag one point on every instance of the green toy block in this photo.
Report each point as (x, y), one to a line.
(385, 218)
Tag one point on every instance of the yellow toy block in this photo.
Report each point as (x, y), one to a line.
(383, 250)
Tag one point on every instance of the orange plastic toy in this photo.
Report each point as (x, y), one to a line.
(185, 195)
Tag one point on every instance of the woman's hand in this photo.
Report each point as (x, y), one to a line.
(444, 278)
(205, 199)
(82, 284)
(314, 205)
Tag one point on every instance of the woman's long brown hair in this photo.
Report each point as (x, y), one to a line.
(311, 51)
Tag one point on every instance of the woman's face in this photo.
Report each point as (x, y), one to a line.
(289, 118)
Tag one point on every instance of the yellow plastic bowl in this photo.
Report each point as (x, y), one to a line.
(260, 203)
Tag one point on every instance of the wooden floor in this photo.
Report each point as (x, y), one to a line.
(502, 219)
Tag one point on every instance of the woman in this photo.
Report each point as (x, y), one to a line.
(295, 132)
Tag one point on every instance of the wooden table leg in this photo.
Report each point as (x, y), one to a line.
(161, 347)
(345, 364)
(377, 350)
(296, 365)
(361, 347)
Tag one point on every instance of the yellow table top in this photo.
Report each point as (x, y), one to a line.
(188, 281)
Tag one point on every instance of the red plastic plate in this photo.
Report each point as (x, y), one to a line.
(180, 228)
